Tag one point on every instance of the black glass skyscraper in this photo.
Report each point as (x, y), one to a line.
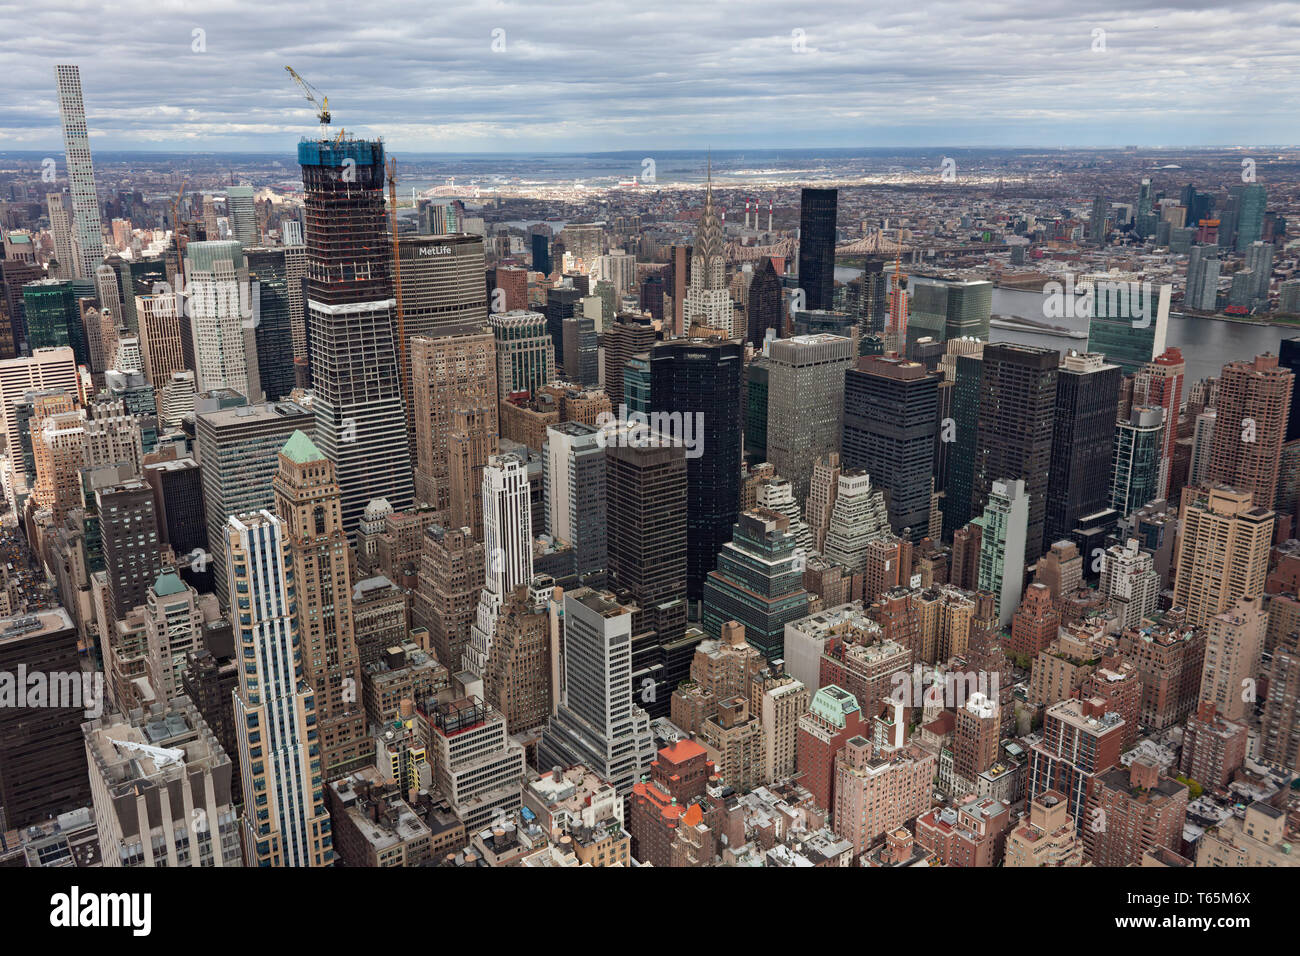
(889, 427)
(1017, 406)
(275, 368)
(764, 308)
(541, 253)
(960, 435)
(817, 246)
(702, 379)
(1289, 357)
(1087, 390)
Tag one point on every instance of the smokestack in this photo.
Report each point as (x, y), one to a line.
(746, 213)
(769, 215)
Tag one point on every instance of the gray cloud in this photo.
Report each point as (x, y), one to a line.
(672, 74)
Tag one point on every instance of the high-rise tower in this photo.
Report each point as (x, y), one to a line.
(507, 548)
(286, 822)
(707, 300)
(81, 172)
(360, 419)
(817, 208)
(307, 500)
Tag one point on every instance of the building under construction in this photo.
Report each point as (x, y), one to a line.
(352, 314)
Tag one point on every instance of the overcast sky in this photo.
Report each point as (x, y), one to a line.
(667, 74)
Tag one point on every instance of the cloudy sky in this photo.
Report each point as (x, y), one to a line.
(475, 75)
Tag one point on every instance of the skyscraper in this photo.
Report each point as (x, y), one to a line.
(1222, 552)
(360, 419)
(286, 822)
(890, 421)
(525, 351)
(645, 488)
(597, 722)
(1087, 389)
(42, 758)
(308, 503)
(442, 289)
(196, 787)
(507, 548)
(1251, 200)
(242, 213)
(272, 286)
(959, 477)
(87, 232)
(225, 350)
(129, 530)
(1160, 383)
(805, 403)
(708, 302)
(452, 368)
(1254, 409)
(1135, 463)
(763, 311)
(574, 476)
(1003, 542)
(1017, 407)
(946, 309)
(758, 582)
(60, 207)
(1233, 647)
(53, 320)
(1130, 318)
(239, 448)
(699, 380)
(817, 210)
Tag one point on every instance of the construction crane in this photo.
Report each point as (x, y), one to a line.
(162, 756)
(322, 104)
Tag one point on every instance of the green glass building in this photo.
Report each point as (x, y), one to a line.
(50, 306)
(758, 582)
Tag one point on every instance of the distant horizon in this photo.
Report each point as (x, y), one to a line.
(682, 150)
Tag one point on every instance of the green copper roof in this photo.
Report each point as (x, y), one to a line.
(167, 585)
(301, 449)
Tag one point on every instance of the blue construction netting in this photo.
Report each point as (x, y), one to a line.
(364, 152)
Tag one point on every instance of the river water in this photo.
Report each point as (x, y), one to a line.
(1207, 344)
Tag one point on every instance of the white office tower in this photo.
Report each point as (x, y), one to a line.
(1005, 526)
(1130, 582)
(286, 822)
(242, 214)
(707, 300)
(222, 311)
(87, 237)
(129, 357)
(290, 232)
(598, 722)
(177, 400)
(507, 549)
